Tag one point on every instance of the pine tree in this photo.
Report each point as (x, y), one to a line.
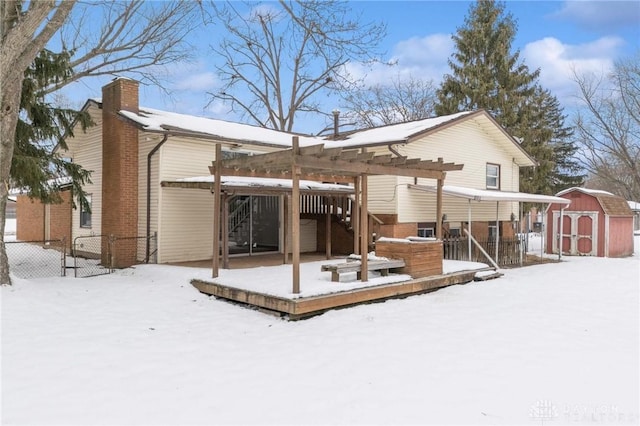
(41, 132)
(486, 75)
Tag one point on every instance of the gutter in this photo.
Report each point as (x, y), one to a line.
(148, 234)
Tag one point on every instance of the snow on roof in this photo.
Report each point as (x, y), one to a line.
(155, 120)
(634, 206)
(487, 195)
(51, 183)
(240, 181)
(585, 190)
(394, 132)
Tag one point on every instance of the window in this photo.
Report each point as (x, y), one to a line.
(493, 230)
(85, 214)
(493, 176)
(426, 232)
(454, 232)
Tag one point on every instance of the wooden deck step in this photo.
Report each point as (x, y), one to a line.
(487, 275)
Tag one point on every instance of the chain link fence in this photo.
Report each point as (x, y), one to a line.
(91, 255)
(37, 259)
(88, 256)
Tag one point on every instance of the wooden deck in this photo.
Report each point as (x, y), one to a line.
(305, 307)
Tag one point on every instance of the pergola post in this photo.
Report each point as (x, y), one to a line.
(439, 208)
(285, 227)
(355, 215)
(364, 231)
(295, 216)
(225, 231)
(216, 213)
(329, 204)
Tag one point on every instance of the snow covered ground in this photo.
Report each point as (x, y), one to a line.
(548, 344)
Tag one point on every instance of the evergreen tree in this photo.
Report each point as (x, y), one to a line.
(486, 75)
(41, 132)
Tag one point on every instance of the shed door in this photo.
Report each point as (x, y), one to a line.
(579, 234)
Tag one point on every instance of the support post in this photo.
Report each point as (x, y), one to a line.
(355, 215)
(285, 227)
(216, 213)
(439, 209)
(329, 204)
(225, 231)
(295, 216)
(364, 228)
(469, 222)
(497, 230)
(561, 239)
(543, 230)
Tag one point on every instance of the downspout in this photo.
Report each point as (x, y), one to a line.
(393, 150)
(148, 234)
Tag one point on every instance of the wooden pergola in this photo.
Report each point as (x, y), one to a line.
(317, 163)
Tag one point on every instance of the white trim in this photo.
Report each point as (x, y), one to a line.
(486, 195)
(606, 235)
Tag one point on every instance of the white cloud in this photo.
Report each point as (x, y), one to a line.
(601, 15)
(199, 82)
(558, 61)
(419, 57)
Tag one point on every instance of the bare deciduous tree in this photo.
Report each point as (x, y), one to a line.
(23, 33)
(276, 59)
(404, 99)
(133, 37)
(608, 128)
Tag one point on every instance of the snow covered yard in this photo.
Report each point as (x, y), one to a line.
(549, 344)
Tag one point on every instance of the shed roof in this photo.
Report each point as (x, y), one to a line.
(611, 204)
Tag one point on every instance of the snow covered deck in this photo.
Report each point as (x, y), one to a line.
(269, 288)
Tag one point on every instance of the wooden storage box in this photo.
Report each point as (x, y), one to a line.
(421, 258)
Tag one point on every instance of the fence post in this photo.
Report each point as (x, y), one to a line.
(64, 256)
(111, 252)
(75, 258)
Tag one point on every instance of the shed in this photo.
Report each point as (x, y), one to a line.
(596, 223)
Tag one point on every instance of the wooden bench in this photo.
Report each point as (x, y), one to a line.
(355, 266)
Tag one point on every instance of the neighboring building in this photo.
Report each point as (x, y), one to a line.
(635, 209)
(597, 223)
(37, 221)
(150, 176)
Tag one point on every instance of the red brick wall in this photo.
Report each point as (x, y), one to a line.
(120, 168)
(30, 219)
(31, 216)
(60, 219)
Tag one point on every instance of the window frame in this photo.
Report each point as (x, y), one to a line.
(84, 215)
(496, 177)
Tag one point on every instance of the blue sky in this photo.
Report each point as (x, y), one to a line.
(554, 36)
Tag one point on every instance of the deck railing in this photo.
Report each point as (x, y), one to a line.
(509, 249)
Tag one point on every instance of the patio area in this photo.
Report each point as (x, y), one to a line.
(264, 283)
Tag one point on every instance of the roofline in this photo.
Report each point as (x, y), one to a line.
(470, 116)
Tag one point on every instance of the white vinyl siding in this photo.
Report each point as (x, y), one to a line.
(308, 236)
(467, 144)
(85, 148)
(184, 216)
(186, 225)
(383, 197)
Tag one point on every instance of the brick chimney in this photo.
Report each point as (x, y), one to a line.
(119, 171)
